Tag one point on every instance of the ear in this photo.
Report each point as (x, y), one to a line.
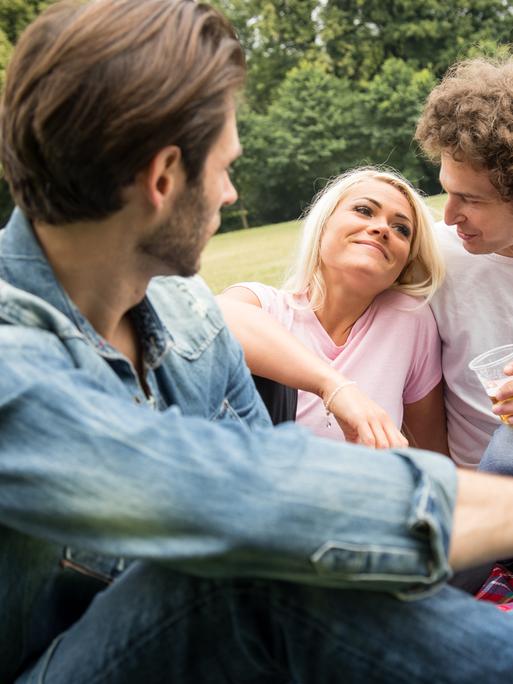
(162, 176)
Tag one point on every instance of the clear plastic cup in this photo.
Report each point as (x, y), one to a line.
(489, 368)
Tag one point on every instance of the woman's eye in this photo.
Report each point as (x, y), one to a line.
(366, 211)
(403, 229)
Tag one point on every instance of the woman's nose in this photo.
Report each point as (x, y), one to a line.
(380, 228)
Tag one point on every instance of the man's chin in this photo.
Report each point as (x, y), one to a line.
(183, 270)
(477, 248)
(470, 248)
(471, 242)
(189, 270)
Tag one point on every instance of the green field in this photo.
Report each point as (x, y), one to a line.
(261, 254)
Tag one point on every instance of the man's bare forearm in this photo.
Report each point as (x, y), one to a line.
(483, 519)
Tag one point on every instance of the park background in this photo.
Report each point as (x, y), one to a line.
(331, 84)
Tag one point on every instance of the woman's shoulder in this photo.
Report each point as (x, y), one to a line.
(265, 293)
(276, 293)
(279, 303)
(403, 306)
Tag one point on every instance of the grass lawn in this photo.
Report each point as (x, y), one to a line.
(261, 254)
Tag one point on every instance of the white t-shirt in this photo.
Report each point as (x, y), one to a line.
(392, 352)
(474, 312)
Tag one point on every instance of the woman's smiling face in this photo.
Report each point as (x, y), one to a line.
(371, 231)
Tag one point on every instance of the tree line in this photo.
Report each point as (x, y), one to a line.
(331, 84)
(334, 84)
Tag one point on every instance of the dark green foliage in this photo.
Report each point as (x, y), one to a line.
(276, 35)
(16, 14)
(340, 83)
(304, 138)
(360, 35)
(392, 104)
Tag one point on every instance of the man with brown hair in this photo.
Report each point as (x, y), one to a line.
(154, 527)
(467, 126)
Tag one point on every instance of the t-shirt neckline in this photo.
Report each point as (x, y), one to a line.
(329, 348)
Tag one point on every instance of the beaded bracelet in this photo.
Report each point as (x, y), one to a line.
(332, 396)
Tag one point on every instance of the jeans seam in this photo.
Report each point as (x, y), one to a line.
(162, 626)
(277, 606)
(350, 649)
(274, 602)
(47, 658)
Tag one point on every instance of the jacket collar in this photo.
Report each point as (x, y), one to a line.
(24, 265)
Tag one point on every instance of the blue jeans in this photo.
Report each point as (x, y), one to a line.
(498, 457)
(154, 626)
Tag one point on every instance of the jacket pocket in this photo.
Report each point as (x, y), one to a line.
(101, 568)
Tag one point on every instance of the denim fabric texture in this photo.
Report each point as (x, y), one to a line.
(108, 496)
(185, 629)
(498, 457)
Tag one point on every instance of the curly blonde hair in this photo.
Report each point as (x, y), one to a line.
(424, 270)
(470, 116)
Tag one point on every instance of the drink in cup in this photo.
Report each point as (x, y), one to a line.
(489, 368)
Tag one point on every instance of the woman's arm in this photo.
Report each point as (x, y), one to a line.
(424, 422)
(270, 349)
(273, 352)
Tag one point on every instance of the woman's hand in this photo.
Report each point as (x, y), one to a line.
(362, 420)
(272, 352)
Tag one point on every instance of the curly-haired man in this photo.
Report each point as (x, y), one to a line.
(467, 126)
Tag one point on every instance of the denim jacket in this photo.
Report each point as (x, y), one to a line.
(94, 475)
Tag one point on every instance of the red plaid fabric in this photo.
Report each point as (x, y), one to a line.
(498, 588)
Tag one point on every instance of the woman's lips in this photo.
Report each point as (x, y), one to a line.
(375, 245)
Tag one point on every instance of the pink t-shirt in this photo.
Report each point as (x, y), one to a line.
(392, 352)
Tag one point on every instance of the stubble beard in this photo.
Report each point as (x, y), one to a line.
(178, 241)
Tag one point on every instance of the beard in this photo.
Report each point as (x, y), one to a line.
(178, 240)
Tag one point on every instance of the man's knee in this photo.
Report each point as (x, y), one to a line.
(498, 457)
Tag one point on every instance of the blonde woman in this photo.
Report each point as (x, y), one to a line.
(357, 297)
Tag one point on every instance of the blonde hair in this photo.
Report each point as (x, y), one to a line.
(424, 270)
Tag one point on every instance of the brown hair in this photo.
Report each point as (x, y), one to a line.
(470, 116)
(95, 90)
